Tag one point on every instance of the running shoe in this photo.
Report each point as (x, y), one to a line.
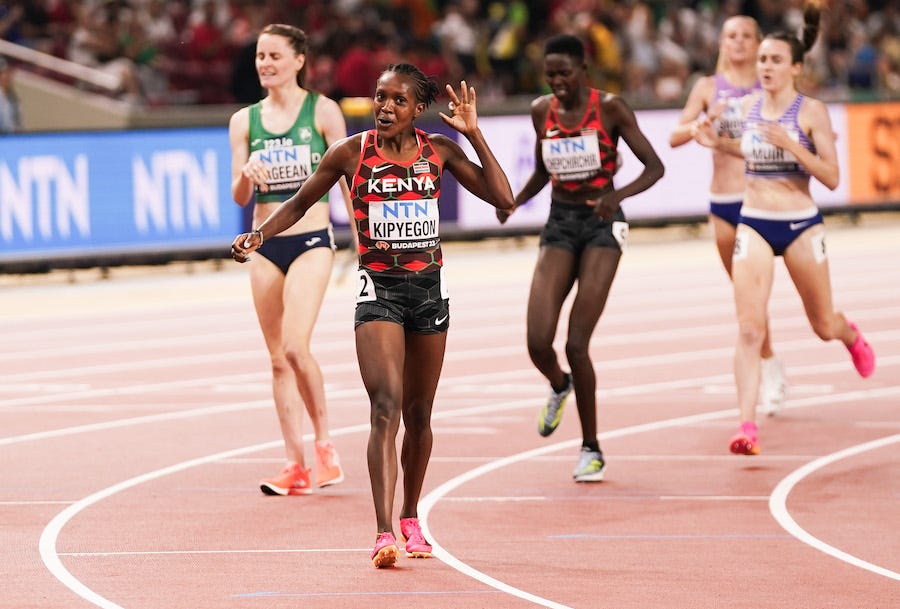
(328, 465)
(772, 386)
(862, 354)
(411, 533)
(590, 466)
(551, 413)
(385, 553)
(293, 480)
(744, 442)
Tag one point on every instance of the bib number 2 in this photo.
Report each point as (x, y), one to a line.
(365, 288)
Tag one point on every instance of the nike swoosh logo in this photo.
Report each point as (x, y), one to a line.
(440, 320)
(552, 132)
(798, 225)
(313, 241)
(255, 142)
(378, 168)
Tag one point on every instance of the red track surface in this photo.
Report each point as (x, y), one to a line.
(136, 422)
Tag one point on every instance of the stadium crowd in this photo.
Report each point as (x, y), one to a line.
(201, 51)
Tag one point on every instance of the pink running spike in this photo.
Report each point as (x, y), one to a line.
(416, 546)
(386, 552)
(862, 354)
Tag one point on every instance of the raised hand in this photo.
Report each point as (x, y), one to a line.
(465, 117)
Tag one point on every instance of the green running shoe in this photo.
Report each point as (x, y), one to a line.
(551, 413)
(590, 466)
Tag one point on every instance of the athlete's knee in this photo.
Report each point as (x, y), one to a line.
(752, 333)
(281, 367)
(539, 348)
(301, 360)
(384, 410)
(577, 347)
(417, 418)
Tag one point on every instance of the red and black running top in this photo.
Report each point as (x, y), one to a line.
(579, 157)
(396, 209)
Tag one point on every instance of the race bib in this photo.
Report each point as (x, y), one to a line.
(405, 224)
(288, 166)
(572, 158)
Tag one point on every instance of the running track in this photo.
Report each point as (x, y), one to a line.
(135, 422)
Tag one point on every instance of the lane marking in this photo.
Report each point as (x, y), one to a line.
(778, 504)
(427, 503)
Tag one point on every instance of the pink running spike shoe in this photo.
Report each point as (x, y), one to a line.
(862, 354)
(386, 551)
(416, 546)
(744, 442)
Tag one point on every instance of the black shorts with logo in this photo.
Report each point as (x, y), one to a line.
(418, 302)
(576, 228)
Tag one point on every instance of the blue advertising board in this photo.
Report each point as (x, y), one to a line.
(117, 192)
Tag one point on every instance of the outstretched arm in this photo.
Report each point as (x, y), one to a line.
(332, 168)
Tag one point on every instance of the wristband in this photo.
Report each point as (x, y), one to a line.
(260, 233)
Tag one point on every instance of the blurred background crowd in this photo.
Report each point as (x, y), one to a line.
(165, 52)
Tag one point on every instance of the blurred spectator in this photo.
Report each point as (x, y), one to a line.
(459, 34)
(508, 26)
(201, 51)
(10, 118)
(25, 22)
(96, 42)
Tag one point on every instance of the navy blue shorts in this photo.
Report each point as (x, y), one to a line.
(730, 211)
(283, 250)
(778, 230)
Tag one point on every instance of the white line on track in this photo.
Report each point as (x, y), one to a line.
(778, 504)
(428, 502)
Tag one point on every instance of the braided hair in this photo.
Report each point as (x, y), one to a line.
(425, 86)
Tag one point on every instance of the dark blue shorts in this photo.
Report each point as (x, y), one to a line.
(283, 250)
(730, 211)
(780, 231)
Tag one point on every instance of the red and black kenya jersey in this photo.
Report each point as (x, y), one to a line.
(580, 157)
(396, 209)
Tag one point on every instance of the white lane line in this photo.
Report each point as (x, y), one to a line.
(232, 551)
(50, 534)
(778, 504)
(428, 502)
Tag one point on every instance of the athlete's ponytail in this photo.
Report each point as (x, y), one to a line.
(812, 11)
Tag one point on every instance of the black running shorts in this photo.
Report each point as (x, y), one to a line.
(576, 228)
(418, 302)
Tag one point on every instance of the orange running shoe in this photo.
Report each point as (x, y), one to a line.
(293, 480)
(386, 552)
(328, 465)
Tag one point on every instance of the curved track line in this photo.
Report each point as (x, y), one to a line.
(50, 556)
(778, 504)
(430, 500)
(434, 496)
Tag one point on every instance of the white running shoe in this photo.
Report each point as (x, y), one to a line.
(772, 386)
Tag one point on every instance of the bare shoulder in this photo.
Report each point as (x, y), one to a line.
(813, 106)
(540, 104)
(614, 106)
(239, 118)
